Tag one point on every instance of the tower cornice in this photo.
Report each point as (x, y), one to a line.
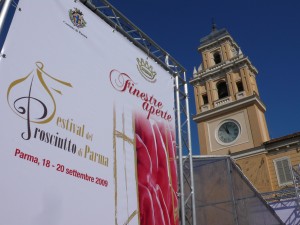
(236, 62)
(241, 103)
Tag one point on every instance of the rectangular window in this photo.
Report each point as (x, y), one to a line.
(239, 86)
(283, 171)
(205, 99)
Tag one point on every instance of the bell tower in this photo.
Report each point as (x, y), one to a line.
(230, 114)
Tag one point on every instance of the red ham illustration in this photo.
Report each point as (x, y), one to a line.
(157, 174)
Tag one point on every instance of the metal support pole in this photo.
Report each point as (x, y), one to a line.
(3, 13)
(182, 198)
(190, 151)
(231, 189)
(295, 182)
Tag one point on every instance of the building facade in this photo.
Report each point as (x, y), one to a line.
(230, 115)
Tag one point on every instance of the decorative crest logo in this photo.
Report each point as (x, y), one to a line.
(146, 70)
(29, 105)
(76, 17)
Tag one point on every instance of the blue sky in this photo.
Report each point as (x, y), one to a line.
(268, 32)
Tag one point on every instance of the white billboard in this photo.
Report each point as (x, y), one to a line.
(87, 123)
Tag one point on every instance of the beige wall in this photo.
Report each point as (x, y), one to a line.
(258, 125)
(197, 98)
(203, 137)
(256, 170)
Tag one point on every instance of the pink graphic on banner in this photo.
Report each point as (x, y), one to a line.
(157, 176)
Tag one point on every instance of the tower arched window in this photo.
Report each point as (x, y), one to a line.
(222, 89)
(217, 57)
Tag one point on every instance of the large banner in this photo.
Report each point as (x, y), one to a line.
(87, 123)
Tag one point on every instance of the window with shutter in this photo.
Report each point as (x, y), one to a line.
(283, 171)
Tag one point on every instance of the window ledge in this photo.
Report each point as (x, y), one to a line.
(240, 95)
(205, 108)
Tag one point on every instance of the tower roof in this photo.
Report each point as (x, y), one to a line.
(214, 35)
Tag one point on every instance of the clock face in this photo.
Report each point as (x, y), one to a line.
(228, 132)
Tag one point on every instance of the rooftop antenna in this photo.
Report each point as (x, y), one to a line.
(214, 26)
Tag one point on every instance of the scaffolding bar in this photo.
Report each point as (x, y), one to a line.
(123, 25)
(192, 191)
(4, 12)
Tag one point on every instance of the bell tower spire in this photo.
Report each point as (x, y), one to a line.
(213, 25)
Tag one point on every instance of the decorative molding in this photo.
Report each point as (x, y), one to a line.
(222, 101)
(249, 153)
(225, 66)
(253, 99)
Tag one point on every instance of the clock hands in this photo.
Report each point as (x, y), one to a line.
(226, 129)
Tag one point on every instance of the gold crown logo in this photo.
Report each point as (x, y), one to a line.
(146, 70)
